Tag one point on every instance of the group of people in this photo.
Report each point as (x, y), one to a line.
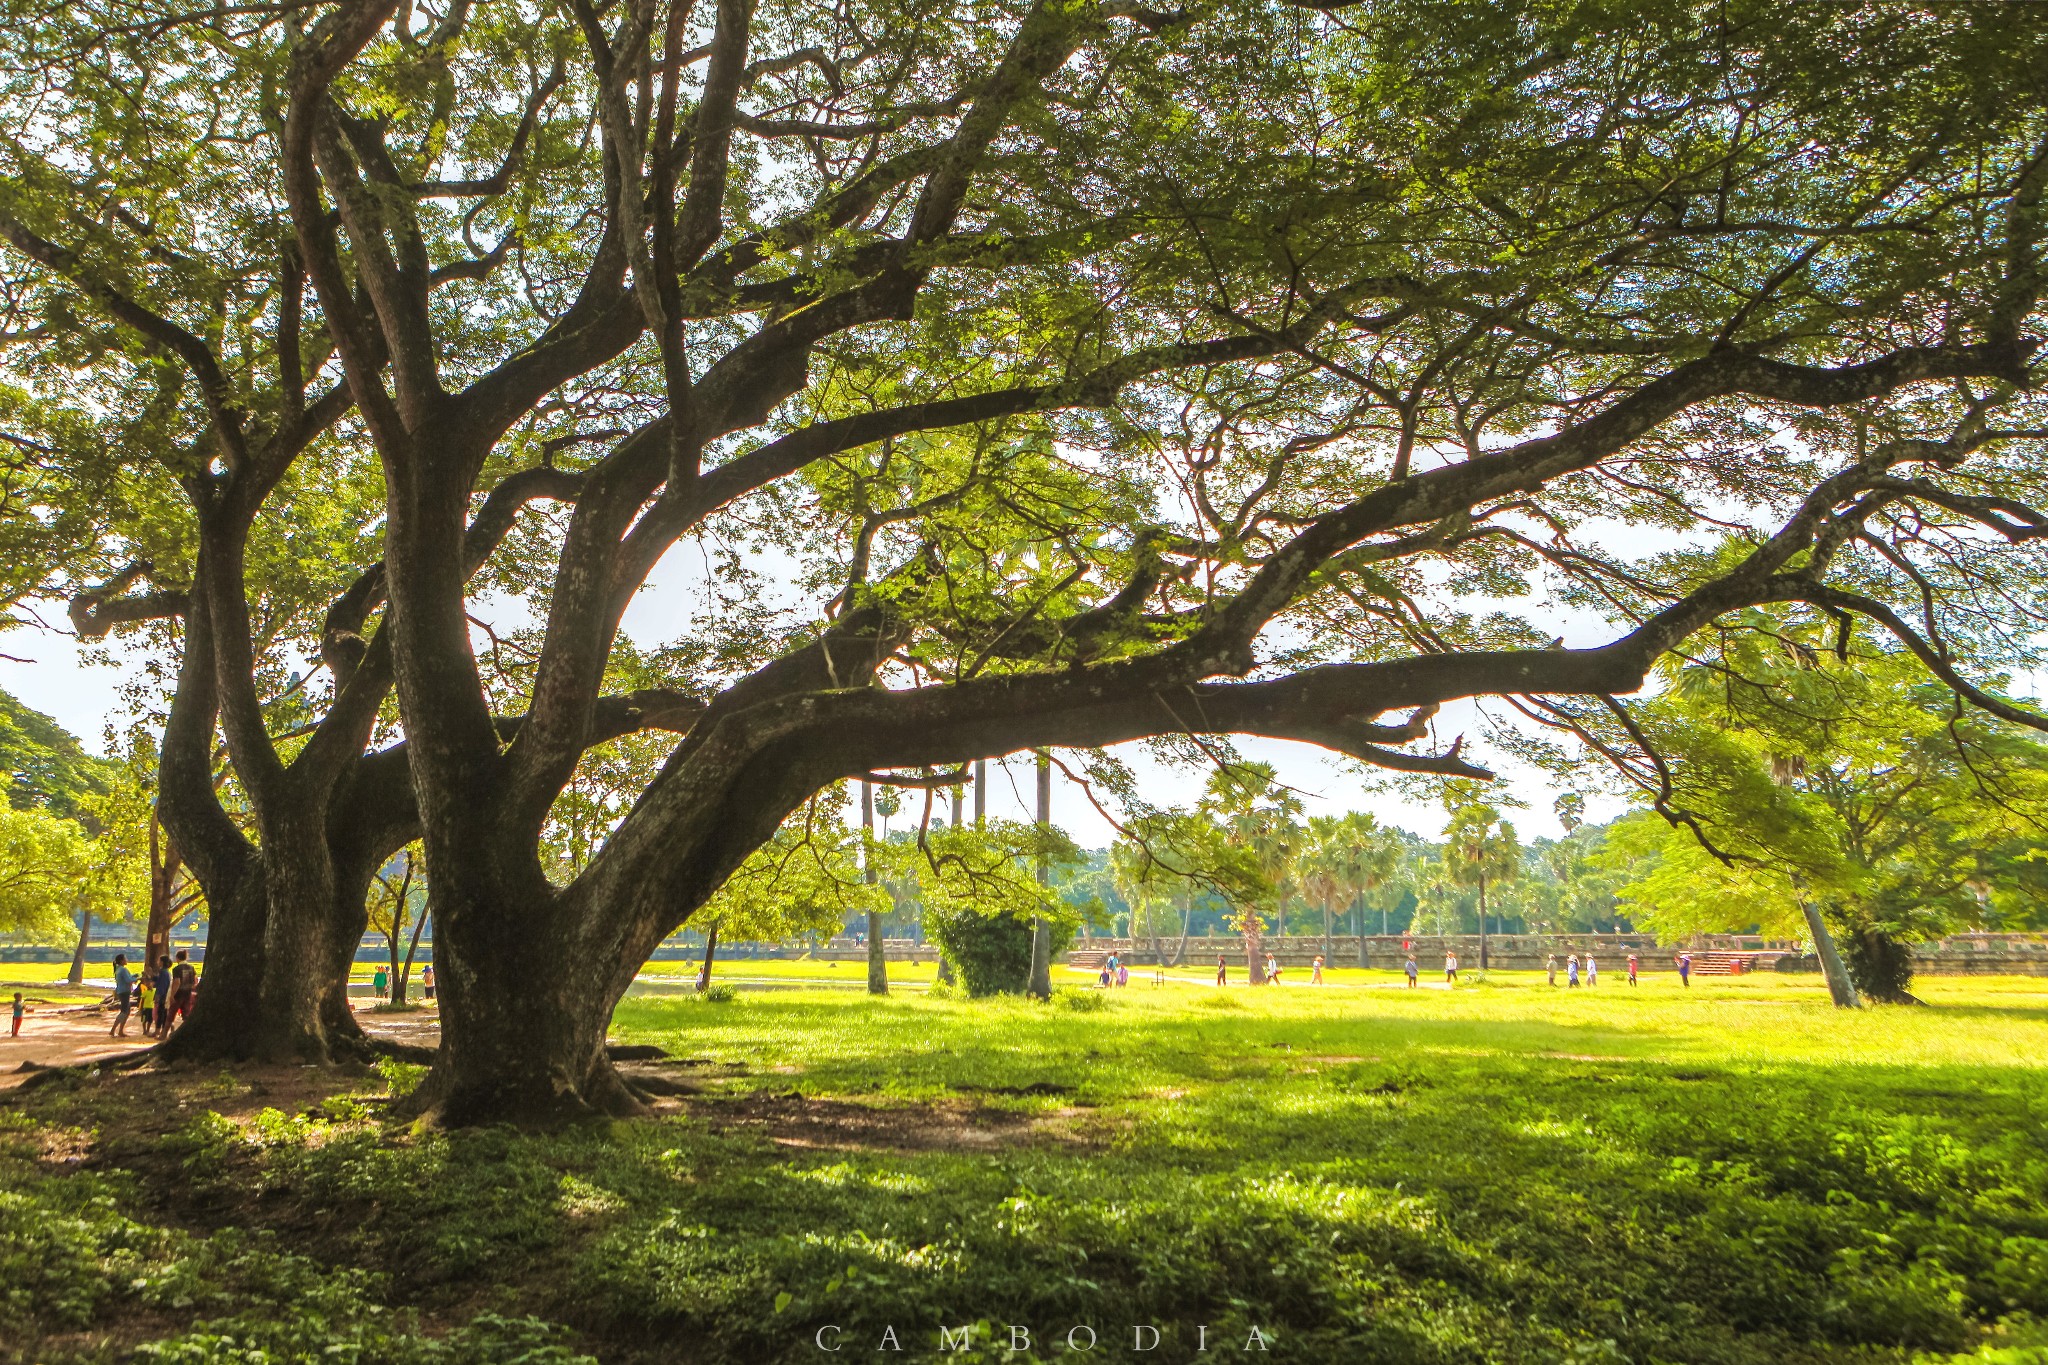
(1592, 970)
(162, 997)
(1115, 971)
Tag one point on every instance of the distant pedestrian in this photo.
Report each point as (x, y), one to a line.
(1102, 977)
(19, 1010)
(1685, 969)
(1550, 968)
(1631, 969)
(1450, 969)
(1571, 968)
(147, 990)
(124, 982)
(1272, 970)
(380, 983)
(1222, 970)
(427, 980)
(1411, 969)
(1316, 978)
(1592, 971)
(1123, 973)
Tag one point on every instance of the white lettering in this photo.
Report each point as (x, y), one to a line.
(889, 1342)
(1020, 1338)
(1082, 1328)
(828, 1327)
(948, 1342)
(1256, 1336)
(1138, 1342)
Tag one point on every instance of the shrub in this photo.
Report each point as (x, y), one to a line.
(990, 953)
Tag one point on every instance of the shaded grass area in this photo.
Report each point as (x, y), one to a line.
(1503, 1173)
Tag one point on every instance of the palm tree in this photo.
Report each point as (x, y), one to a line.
(1257, 817)
(1325, 861)
(1480, 847)
(1372, 853)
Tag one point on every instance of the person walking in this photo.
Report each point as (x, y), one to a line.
(19, 1010)
(1685, 970)
(1316, 971)
(1631, 969)
(1222, 970)
(427, 980)
(1412, 971)
(1592, 971)
(1572, 971)
(124, 982)
(1450, 969)
(1550, 968)
(1123, 973)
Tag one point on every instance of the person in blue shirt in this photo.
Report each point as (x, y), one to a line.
(124, 986)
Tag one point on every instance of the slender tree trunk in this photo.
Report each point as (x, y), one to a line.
(1187, 923)
(1358, 919)
(1329, 953)
(1482, 928)
(163, 886)
(710, 952)
(77, 976)
(1041, 932)
(878, 961)
(1840, 987)
(412, 949)
(980, 792)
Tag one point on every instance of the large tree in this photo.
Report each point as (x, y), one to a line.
(1095, 371)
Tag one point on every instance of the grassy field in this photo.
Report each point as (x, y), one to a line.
(1502, 1173)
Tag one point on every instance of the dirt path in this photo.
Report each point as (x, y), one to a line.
(65, 1035)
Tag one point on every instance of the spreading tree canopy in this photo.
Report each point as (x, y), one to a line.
(1078, 372)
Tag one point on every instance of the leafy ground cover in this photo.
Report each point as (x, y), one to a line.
(1503, 1173)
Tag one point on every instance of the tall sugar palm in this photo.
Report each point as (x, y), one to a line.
(1481, 848)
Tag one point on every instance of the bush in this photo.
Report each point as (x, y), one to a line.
(719, 995)
(990, 953)
(1792, 963)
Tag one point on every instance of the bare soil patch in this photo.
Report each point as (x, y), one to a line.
(802, 1121)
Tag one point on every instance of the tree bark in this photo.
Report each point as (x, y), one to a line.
(878, 961)
(77, 976)
(1840, 988)
(1187, 922)
(163, 885)
(1329, 953)
(710, 952)
(1041, 933)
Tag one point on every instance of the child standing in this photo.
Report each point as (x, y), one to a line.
(19, 1010)
(1410, 969)
(1571, 967)
(1550, 968)
(1592, 971)
(1222, 970)
(1631, 969)
(1316, 971)
(1450, 969)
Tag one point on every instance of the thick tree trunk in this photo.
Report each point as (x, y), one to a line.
(274, 983)
(77, 976)
(1254, 951)
(525, 1002)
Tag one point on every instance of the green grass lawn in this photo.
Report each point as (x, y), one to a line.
(1735, 1173)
